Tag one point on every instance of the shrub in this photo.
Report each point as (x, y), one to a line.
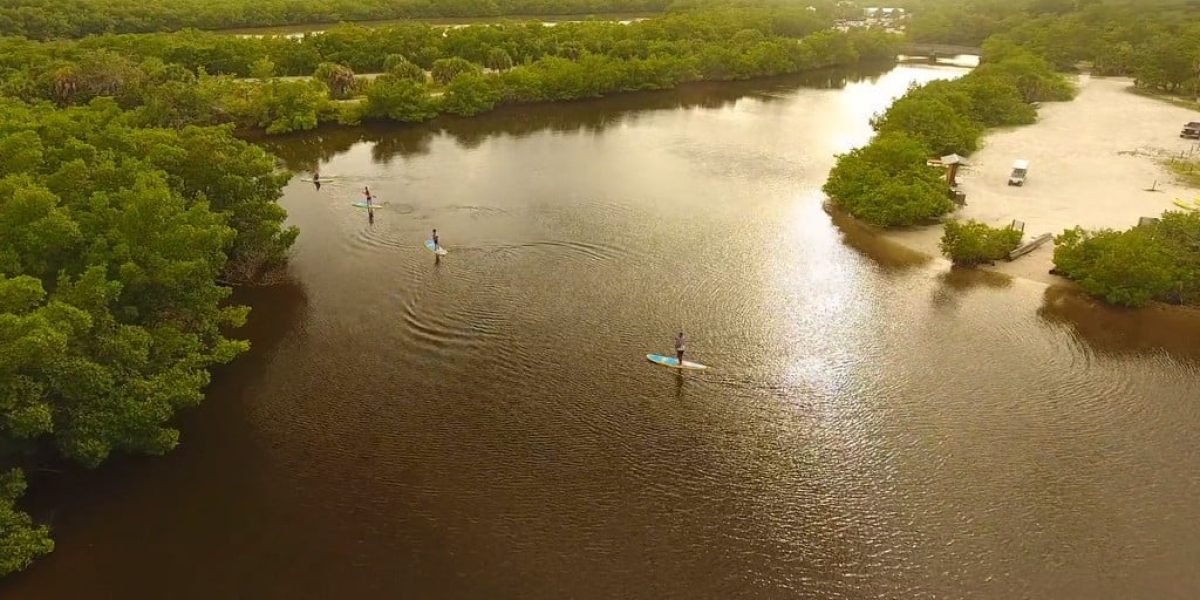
(446, 69)
(470, 94)
(1129, 268)
(338, 78)
(972, 242)
(1152, 262)
(498, 59)
(390, 97)
(402, 68)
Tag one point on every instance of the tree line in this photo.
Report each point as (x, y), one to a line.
(1157, 42)
(112, 240)
(58, 19)
(304, 153)
(199, 78)
(365, 49)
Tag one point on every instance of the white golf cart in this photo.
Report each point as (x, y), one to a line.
(1020, 170)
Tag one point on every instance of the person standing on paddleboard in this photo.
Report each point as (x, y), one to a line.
(436, 244)
(680, 346)
(367, 194)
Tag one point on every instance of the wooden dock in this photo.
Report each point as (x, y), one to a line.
(1030, 246)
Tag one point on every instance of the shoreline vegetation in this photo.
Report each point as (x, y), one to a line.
(888, 183)
(61, 19)
(283, 84)
(301, 29)
(112, 241)
(1190, 103)
(125, 196)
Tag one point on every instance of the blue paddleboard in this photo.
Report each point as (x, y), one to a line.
(363, 204)
(434, 248)
(673, 363)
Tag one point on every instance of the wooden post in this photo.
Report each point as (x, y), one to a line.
(951, 174)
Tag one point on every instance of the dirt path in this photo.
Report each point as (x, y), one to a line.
(1091, 161)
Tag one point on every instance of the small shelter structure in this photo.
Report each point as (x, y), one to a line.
(952, 162)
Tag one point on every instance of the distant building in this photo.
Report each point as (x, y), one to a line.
(873, 17)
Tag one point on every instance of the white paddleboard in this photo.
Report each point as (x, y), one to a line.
(434, 248)
(673, 363)
(363, 204)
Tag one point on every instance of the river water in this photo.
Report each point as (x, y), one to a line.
(486, 425)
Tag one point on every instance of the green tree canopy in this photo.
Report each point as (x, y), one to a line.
(1152, 262)
(403, 69)
(446, 69)
(338, 78)
(404, 100)
(470, 94)
(109, 310)
(77, 18)
(939, 125)
(20, 540)
(887, 182)
(498, 59)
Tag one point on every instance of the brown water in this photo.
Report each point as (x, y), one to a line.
(486, 426)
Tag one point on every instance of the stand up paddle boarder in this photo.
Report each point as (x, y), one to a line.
(664, 360)
(436, 244)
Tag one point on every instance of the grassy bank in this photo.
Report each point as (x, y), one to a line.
(1185, 169)
(1188, 102)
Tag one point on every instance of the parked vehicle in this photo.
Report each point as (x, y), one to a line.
(1191, 131)
(1020, 170)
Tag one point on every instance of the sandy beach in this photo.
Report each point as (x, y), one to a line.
(1092, 161)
